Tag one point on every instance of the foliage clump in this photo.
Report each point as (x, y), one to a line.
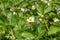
(29, 19)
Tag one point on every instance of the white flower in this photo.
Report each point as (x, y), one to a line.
(14, 13)
(33, 7)
(11, 9)
(56, 19)
(22, 9)
(48, 4)
(40, 19)
(31, 19)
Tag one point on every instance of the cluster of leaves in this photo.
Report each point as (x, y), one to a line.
(14, 24)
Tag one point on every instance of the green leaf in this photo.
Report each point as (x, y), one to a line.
(53, 30)
(41, 7)
(3, 19)
(27, 35)
(48, 9)
(41, 30)
(13, 19)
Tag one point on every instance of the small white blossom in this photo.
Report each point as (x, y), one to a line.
(11, 9)
(40, 19)
(33, 7)
(22, 9)
(31, 19)
(14, 13)
(48, 4)
(56, 19)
